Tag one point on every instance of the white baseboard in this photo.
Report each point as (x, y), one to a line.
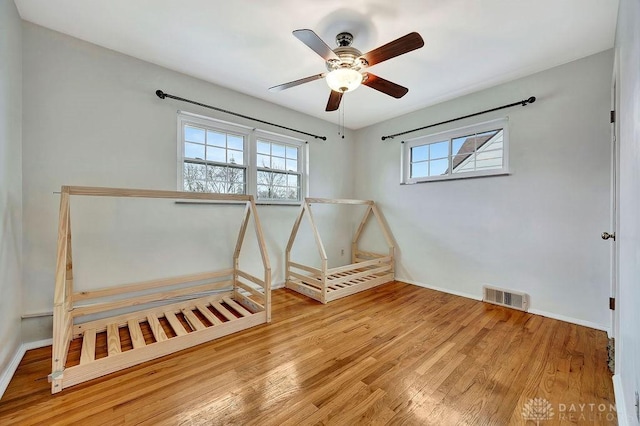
(532, 311)
(572, 320)
(7, 374)
(443, 290)
(621, 409)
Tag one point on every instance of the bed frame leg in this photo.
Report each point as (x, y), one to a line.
(55, 379)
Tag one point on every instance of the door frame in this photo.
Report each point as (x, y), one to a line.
(615, 202)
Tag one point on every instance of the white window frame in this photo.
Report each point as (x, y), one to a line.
(251, 136)
(449, 135)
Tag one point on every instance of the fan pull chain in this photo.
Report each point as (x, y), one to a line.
(341, 119)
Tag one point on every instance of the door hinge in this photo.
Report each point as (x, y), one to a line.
(613, 117)
(612, 303)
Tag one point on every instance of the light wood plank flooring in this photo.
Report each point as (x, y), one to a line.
(396, 354)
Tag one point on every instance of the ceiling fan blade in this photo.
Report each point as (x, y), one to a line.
(296, 82)
(411, 41)
(316, 44)
(334, 101)
(385, 86)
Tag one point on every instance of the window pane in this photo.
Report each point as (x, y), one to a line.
(193, 134)
(192, 150)
(487, 155)
(418, 170)
(292, 152)
(216, 154)
(195, 186)
(439, 150)
(278, 150)
(277, 163)
(234, 157)
(194, 177)
(292, 165)
(419, 153)
(216, 139)
(217, 187)
(438, 167)
(235, 175)
(292, 193)
(293, 180)
(457, 145)
(216, 173)
(263, 191)
(264, 147)
(237, 188)
(235, 142)
(264, 161)
(277, 192)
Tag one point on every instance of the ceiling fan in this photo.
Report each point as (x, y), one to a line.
(346, 65)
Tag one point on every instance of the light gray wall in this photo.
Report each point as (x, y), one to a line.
(536, 230)
(91, 117)
(628, 298)
(10, 183)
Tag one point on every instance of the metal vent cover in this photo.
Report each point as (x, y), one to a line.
(508, 298)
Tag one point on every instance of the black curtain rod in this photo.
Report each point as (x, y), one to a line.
(163, 95)
(523, 102)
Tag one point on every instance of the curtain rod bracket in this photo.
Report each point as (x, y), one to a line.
(163, 95)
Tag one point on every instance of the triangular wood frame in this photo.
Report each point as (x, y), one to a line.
(367, 269)
(232, 288)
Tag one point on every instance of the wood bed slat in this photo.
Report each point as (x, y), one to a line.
(113, 339)
(249, 303)
(137, 339)
(177, 326)
(242, 311)
(315, 271)
(250, 289)
(88, 353)
(193, 320)
(224, 311)
(121, 320)
(147, 285)
(156, 328)
(148, 298)
(208, 314)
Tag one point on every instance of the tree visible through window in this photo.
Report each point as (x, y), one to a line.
(278, 171)
(213, 161)
(229, 159)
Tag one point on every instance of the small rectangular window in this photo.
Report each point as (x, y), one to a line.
(479, 150)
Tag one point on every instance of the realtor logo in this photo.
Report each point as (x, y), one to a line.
(537, 409)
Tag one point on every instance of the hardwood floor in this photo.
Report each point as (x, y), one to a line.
(396, 354)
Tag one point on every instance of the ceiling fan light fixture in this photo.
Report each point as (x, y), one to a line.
(344, 79)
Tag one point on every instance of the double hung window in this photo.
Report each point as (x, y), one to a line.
(226, 158)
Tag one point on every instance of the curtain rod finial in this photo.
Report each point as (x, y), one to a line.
(160, 94)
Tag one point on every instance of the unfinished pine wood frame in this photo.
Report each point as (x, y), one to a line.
(367, 269)
(235, 300)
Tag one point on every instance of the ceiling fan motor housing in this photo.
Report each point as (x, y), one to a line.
(350, 57)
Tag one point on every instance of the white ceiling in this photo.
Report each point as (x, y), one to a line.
(247, 45)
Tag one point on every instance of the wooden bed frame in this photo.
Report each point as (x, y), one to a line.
(233, 300)
(367, 269)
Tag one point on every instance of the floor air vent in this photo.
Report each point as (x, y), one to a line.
(508, 298)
